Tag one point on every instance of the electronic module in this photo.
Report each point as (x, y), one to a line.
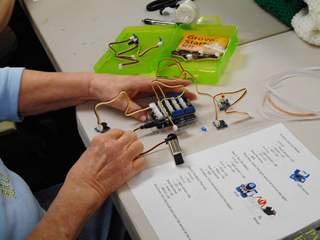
(178, 108)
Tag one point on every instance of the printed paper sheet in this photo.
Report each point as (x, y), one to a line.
(261, 186)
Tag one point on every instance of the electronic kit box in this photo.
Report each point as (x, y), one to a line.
(204, 71)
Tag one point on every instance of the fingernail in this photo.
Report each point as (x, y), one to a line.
(143, 118)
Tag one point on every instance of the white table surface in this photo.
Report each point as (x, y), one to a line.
(76, 34)
(250, 67)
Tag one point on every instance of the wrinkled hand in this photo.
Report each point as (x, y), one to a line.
(110, 161)
(105, 87)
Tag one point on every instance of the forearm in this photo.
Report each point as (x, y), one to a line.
(47, 91)
(66, 216)
(42, 91)
(6, 8)
(110, 161)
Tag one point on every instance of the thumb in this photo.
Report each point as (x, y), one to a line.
(141, 116)
(130, 106)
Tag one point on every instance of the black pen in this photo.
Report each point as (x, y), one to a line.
(149, 21)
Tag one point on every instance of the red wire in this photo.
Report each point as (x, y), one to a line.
(261, 202)
(152, 148)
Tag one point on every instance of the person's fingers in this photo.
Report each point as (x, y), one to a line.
(141, 116)
(187, 93)
(128, 138)
(134, 149)
(114, 133)
(190, 95)
(183, 82)
(175, 82)
(175, 88)
(129, 107)
(145, 90)
(138, 165)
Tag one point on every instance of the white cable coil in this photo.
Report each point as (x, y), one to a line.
(276, 82)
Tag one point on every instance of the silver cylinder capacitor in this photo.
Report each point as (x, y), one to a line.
(172, 141)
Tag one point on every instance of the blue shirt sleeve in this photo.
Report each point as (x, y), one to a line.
(10, 79)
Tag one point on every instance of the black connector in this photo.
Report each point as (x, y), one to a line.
(170, 137)
(148, 125)
(102, 128)
(134, 40)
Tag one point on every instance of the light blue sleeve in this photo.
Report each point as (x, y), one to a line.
(10, 79)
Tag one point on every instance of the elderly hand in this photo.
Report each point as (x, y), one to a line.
(52, 91)
(110, 161)
(105, 87)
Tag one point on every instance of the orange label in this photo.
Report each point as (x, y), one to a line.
(194, 42)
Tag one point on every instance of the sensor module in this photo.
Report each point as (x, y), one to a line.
(178, 109)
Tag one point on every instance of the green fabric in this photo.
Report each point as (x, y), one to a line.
(282, 9)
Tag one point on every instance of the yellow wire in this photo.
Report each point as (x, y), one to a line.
(126, 50)
(148, 49)
(182, 72)
(157, 82)
(234, 104)
(216, 108)
(242, 97)
(114, 99)
(215, 101)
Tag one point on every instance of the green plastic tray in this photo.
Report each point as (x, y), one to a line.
(205, 72)
(148, 37)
